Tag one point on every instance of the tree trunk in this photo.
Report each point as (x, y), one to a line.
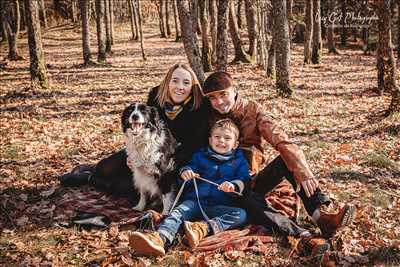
(107, 23)
(205, 49)
(112, 21)
(73, 11)
(139, 15)
(264, 36)
(194, 15)
(240, 54)
(176, 21)
(42, 8)
(251, 27)
(343, 36)
(331, 29)
(189, 39)
(309, 31)
(398, 29)
(271, 68)
(281, 35)
(22, 24)
(222, 36)
(132, 20)
(167, 17)
(213, 29)
(101, 30)
(385, 60)
(239, 14)
(136, 18)
(11, 20)
(316, 55)
(37, 62)
(365, 30)
(84, 6)
(163, 30)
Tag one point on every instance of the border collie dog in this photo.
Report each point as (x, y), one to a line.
(150, 147)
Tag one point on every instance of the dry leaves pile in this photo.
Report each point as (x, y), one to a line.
(334, 116)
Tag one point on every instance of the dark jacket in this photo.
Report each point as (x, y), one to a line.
(190, 127)
(218, 169)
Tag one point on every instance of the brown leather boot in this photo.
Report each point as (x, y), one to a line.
(331, 223)
(195, 231)
(147, 243)
(312, 246)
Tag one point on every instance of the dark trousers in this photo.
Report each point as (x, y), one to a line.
(259, 212)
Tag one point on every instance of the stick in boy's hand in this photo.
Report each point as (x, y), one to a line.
(227, 187)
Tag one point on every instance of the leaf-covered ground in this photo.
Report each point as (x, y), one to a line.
(334, 116)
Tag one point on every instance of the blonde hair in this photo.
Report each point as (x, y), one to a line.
(196, 90)
(226, 124)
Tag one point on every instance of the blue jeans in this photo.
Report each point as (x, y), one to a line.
(221, 218)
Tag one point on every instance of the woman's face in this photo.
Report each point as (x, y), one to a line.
(180, 85)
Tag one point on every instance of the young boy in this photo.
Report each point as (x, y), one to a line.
(221, 163)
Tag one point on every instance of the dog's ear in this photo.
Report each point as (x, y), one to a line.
(154, 118)
(125, 116)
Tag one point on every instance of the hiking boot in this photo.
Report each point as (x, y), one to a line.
(313, 246)
(147, 243)
(195, 231)
(331, 223)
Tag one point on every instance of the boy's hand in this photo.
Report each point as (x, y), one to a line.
(310, 186)
(189, 174)
(227, 187)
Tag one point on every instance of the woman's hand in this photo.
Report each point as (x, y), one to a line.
(227, 187)
(129, 163)
(189, 174)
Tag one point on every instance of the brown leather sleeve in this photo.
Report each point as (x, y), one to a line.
(290, 152)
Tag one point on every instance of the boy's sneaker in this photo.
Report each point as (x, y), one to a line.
(331, 223)
(195, 231)
(147, 243)
(313, 246)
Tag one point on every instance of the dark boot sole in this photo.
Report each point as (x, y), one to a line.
(348, 215)
(320, 249)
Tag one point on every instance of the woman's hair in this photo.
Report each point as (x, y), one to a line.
(196, 91)
(226, 124)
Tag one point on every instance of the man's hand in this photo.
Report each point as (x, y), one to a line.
(310, 186)
(227, 187)
(189, 174)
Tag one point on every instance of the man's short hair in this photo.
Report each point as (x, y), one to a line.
(217, 81)
(226, 124)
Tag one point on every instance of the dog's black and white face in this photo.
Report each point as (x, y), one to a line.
(138, 117)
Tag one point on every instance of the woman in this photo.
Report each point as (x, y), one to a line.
(179, 100)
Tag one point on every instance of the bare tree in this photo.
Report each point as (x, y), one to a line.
(316, 54)
(167, 27)
(264, 34)
(37, 62)
(73, 11)
(101, 28)
(385, 59)
(189, 39)
(139, 12)
(107, 23)
(222, 36)
(331, 29)
(11, 21)
(84, 6)
(239, 14)
(343, 36)
(132, 16)
(162, 22)
(240, 54)
(251, 27)
(42, 8)
(213, 29)
(176, 21)
(205, 48)
(111, 21)
(309, 31)
(271, 68)
(281, 35)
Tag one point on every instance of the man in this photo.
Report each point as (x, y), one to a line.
(255, 127)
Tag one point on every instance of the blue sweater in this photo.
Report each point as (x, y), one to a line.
(218, 168)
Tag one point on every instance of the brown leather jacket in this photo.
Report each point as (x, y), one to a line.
(255, 126)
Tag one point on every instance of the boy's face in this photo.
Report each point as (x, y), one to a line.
(223, 101)
(223, 140)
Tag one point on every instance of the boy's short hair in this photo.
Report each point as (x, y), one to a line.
(226, 124)
(217, 81)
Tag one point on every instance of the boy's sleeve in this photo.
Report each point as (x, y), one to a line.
(242, 173)
(192, 165)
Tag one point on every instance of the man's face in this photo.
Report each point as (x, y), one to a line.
(223, 101)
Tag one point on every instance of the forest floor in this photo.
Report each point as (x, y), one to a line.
(334, 116)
